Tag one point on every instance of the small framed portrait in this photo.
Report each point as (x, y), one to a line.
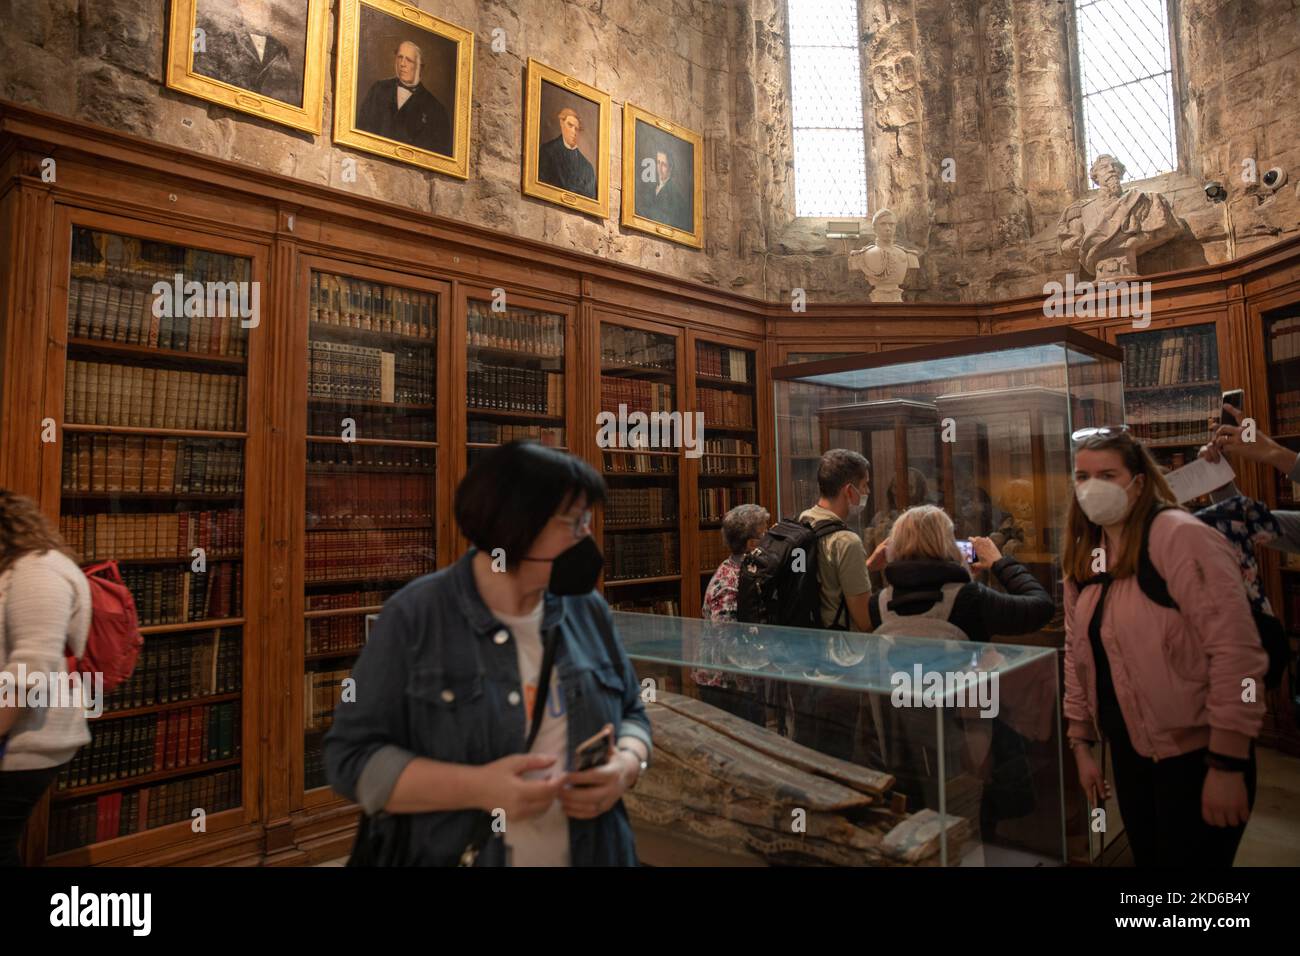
(663, 177)
(566, 141)
(404, 85)
(264, 57)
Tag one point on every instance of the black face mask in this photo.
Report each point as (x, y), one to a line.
(575, 571)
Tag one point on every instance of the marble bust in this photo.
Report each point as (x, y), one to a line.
(1108, 232)
(883, 263)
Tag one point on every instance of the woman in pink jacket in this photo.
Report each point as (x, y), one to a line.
(1177, 691)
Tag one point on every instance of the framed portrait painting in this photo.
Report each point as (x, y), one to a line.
(404, 85)
(566, 141)
(264, 57)
(663, 177)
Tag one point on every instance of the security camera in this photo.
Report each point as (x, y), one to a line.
(1215, 192)
(1275, 178)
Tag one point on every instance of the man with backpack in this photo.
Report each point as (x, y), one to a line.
(844, 483)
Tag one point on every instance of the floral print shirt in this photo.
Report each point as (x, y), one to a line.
(1245, 522)
(720, 599)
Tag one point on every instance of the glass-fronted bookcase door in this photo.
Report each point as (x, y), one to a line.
(373, 426)
(156, 343)
(641, 528)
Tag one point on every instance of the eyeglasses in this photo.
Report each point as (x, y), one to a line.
(1103, 431)
(580, 525)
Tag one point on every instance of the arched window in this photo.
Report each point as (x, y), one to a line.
(1126, 83)
(830, 172)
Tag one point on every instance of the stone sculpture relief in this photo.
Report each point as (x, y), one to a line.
(1108, 232)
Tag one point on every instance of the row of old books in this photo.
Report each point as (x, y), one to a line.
(1286, 412)
(801, 436)
(726, 456)
(514, 389)
(349, 423)
(926, 390)
(666, 606)
(124, 812)
(642, 555)
(713, 550)
(1172, 358)
(343, 372)
(638, 396)
(633, 348)
(726, 408)
(127, 537)
(313, 761)
(634, 506)
(134, 464)
(106, 255)
(346, 599)
(1186, 416)
(331, 635)
(716, 502)
(182, 667)
(356, 304)
(493, 433)
(719, 361)
(150, 743)
(326, 457)
(321, 692)
(130, 312)
(181, 595)
(515, 330)
(99, 393)
(639, 463)
(377, 555)
(1284, 339)
(352, 500)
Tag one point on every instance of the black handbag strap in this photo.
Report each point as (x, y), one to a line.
(483, 828)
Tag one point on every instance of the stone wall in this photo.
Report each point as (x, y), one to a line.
(985, 83)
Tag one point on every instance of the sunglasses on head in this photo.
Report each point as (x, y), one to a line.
(1102, 431)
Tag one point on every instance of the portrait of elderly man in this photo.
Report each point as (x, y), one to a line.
(560, 162)
(242, 44)
(1109, 231)
(401, 108)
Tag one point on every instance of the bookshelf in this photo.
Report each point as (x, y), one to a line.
(726, 474)
(640, 525)
(371, 473)
(151, 474)
(1172, 390)
(515, 373)
(796, 415)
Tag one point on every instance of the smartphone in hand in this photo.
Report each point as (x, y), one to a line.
(1237, 399)
(594, 751)
(967, 549)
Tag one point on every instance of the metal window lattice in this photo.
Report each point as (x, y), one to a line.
(1126, 78)
(830, 170)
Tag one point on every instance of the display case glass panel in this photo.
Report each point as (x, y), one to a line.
(797, 746)
(979, 427)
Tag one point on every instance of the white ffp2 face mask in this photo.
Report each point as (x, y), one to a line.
(1104, 502)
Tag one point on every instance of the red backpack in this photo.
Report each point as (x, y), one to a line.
(114, 641)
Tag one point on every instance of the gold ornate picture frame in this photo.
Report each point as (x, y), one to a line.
(663, 177)
(263, 58)
(566, 141)
(404, 85)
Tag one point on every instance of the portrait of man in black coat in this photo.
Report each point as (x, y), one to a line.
(401, 108)
(242, 44)
(666, 198)
(560, 162)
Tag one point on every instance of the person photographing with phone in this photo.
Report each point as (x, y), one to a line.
(1227, 440)
(497, 718)
(929, 573)
(1163, 682)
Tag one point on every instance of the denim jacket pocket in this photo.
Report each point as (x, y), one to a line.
(447, 714)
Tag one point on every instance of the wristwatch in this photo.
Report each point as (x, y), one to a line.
(645, 764)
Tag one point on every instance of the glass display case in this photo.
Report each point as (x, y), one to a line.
(980, 427)
(790, 746)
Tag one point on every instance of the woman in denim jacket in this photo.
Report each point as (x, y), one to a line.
(433, 745)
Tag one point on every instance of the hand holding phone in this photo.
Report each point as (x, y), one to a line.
(1237, 399)
(595, 750)
(967, 550)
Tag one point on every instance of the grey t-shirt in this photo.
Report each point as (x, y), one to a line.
(841, 565)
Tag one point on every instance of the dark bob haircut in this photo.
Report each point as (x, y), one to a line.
(510, 492)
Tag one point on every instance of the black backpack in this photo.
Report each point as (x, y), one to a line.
(1272, 635)
(778, 579)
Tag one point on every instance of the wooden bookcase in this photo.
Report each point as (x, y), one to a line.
(300, 482)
